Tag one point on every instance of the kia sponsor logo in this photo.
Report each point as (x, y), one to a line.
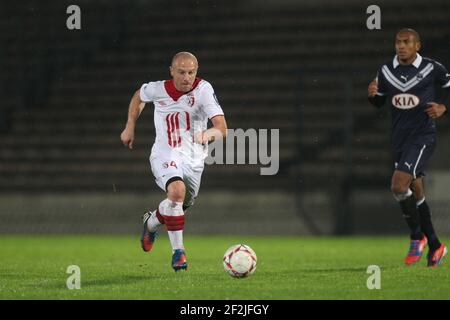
(405, 101)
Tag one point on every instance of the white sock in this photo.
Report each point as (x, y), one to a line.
(153, 223)
(418, 203)
(173, 215)
(176, 239)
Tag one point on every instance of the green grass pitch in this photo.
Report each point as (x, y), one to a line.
(115, 267)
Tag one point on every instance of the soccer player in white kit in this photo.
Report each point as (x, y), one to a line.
(183, 106)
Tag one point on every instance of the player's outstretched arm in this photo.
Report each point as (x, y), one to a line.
(134, 110)
(217, 131)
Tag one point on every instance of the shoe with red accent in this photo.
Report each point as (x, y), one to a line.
(435, 258)
(147, 237)
(416, 248)
(179, 260)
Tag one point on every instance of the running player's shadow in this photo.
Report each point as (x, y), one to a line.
(122, 280)
(313, 270)
(354, 269)
(100, 282)
(326, 270)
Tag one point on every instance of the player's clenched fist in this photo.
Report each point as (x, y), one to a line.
(373, 89)
(210, 135)
(435, 110)
(201, 137)
(127, 137)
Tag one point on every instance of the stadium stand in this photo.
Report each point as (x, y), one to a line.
(302, 70)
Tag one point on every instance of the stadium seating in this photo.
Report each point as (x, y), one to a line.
(303, 70)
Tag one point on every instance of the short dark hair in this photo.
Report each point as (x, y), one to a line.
(412, 31)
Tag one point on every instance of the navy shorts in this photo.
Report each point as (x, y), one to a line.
(414, 158)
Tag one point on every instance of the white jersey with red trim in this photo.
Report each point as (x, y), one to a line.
(178, 116)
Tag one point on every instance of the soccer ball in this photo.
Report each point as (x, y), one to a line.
(239, 261)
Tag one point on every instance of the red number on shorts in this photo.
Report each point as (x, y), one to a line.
(171, 164)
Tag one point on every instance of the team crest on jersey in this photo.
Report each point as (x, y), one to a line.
(405, 101)
(191, 100)
(420, 76)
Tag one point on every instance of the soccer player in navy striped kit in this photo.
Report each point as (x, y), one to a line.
(408, 84)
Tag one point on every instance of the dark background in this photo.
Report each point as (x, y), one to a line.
(300, 67)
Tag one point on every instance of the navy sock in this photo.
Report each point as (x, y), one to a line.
(411, 215)
(427, 226)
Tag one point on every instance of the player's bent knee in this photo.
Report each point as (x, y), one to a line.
(398, 190)
(400, 193)
(397, 187)
(176, 191)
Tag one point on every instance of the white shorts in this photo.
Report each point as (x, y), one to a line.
(169, 165)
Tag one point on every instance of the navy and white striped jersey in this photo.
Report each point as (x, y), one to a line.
(408, 89)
